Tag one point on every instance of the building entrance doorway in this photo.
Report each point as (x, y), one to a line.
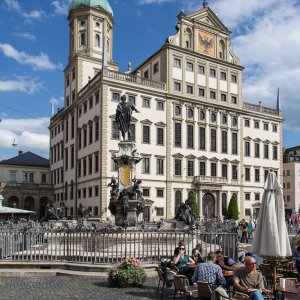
(208, 205)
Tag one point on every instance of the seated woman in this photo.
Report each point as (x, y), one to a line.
(198, 254)
(181, 261)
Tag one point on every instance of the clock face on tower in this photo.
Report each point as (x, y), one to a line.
(206, 43)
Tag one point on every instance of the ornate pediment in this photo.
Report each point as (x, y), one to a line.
(267, 142)
(202, 157)
(178, 155)
(160, 124)
(275, 143)
(224, 160)
(208, 18)
(258, 140)
(235, 162)
(247, 138)
(146, 122)
(214, 159)
(191, 156)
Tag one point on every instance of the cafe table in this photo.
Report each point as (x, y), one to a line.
(286, 292)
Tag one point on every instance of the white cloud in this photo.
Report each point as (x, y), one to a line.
(25, 35)
(39, 62)
(26, 133)
(21, 84)
(13, 5)
(61, 7)
(266, 39)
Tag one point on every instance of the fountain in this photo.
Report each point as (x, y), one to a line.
(126, 198)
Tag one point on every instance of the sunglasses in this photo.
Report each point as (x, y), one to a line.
(181, 248)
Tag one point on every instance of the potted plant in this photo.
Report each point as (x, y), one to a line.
(127, 274)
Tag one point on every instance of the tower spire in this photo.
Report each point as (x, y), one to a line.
(278, 101)
(205, 3)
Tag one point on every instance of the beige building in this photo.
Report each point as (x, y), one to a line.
(291, 180)
(195, 132)
(25, 182)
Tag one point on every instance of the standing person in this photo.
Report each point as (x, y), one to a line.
(249, 281)
(244, 233)
(249, 229)
(209, 272)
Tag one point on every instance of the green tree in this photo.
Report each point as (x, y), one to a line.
(233, 210)
(194, 206)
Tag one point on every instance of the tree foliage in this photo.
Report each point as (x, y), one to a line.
(233, 209)
(194, 206)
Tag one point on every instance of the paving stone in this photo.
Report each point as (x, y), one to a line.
(74, 287)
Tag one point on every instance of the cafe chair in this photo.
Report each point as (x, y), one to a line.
(204, 290)
(165, 277)
(182, 286)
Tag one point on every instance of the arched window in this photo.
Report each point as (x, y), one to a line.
(234, 121)
(190, 113)
(82, 39)
(178, 200)
(97, 40)
(224, 119)
(202, 115)
(177, 110)
(213, 117)
(82, 23)
(97, 24)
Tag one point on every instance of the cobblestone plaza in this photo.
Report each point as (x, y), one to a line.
(74, 287)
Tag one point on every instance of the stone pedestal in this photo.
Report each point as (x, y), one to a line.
(129, 195)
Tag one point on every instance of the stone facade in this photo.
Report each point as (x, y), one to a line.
(26, 186)
(195, 132)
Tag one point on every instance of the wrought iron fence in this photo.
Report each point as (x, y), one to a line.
(108, 244)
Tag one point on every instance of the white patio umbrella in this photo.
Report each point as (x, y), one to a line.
(271, 237)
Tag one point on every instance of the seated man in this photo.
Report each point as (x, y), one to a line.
(249, 281)
(209, 272)
(225, 262)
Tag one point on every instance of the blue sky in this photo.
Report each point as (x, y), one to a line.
(34, 51)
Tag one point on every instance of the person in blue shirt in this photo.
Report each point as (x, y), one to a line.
(209, 272)
(225, 262)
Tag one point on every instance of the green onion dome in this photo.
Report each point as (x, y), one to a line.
(92, 3)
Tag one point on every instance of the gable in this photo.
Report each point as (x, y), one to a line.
(209, 19)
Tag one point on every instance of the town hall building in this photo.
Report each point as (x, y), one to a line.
(195, 132)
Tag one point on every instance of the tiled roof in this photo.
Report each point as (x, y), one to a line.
(27, 159)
